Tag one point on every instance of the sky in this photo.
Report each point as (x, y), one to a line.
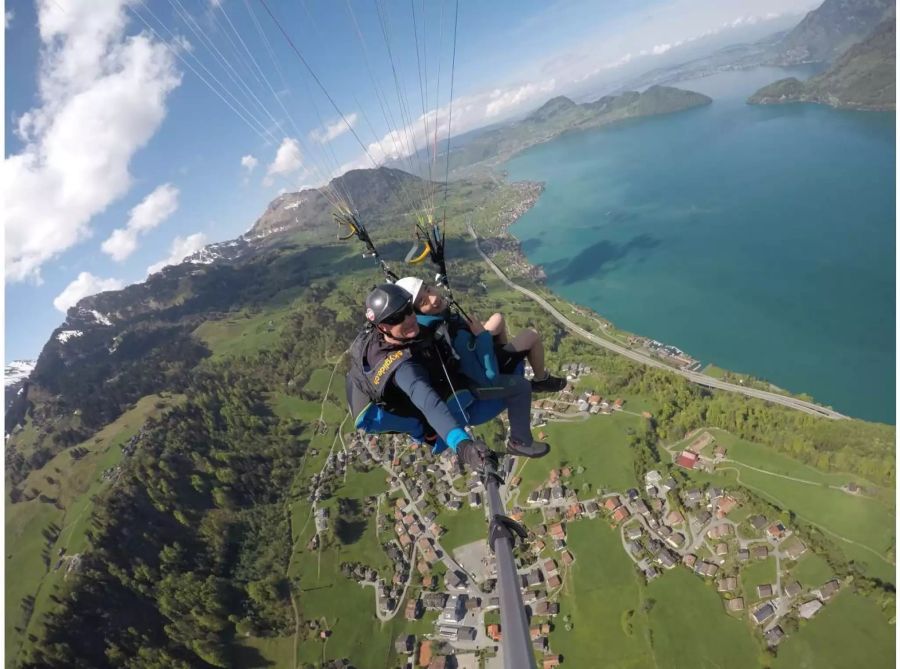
(137, 131)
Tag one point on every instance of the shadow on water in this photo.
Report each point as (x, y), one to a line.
(530, 245)
(597, 258)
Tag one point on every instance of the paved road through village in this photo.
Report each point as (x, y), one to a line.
(695, 377)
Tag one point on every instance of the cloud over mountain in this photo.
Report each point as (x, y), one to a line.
(86, 284)
(153, 210)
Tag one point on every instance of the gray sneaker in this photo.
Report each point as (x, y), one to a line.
(537, 449)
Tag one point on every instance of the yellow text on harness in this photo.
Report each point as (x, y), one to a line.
(386, 365)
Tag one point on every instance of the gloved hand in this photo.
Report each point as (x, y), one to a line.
(474, 454)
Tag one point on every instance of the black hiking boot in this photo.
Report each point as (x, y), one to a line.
(537, 449)
(549, 384)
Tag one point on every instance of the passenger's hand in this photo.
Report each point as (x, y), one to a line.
(475, 326)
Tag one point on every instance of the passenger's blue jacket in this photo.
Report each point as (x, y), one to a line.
(477, 360)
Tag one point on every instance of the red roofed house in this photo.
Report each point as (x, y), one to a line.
(551, 661)
(567, 558)
(425, 654)
(554, 581)
(493, 631)
(725, 506)
(610, 503)
(776, 530)
(620, 514)
(687, 459)
(550, 566)
(557, 531)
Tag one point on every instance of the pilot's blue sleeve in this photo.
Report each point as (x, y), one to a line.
(412, 379)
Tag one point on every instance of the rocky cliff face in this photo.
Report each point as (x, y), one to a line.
(863, 78)
(372, 191)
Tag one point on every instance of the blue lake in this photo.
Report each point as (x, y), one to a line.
(757, 238)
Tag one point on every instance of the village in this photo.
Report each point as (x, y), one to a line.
(665, 526)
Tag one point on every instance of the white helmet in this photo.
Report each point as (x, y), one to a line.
(411, 285)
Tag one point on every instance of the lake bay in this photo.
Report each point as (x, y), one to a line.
(757, 238)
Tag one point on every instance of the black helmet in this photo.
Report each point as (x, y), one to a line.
(386, 300)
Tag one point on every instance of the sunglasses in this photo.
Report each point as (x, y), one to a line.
(398, 316)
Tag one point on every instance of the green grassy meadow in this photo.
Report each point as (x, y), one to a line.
(811, 570)
(754, 574)
(599, 444)
(600, 590)
(849, 632)
(690, 627)
(463, 526)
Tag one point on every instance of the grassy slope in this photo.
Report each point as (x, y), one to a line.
(463, 526)
(75, 485)
(866, 520)
(754, 574)
(601, 587)
(811, 570)
(690, 626)
(848, 632)
(599, 444)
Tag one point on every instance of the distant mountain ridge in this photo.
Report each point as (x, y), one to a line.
(863, 78)
(828, 31)
(559, 115)
(820, 37)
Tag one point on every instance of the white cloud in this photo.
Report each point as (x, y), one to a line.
(502, 101)
(102, 96)
(8, 18)
(180, 249)
(660, 49)
(333, 130)
(469, 112)
(86, 284)
(153, 210)
(287, 160)
(249, 162)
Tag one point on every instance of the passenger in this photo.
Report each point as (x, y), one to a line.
(429, 301)
(402, 368)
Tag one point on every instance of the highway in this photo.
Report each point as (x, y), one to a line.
(694, 377)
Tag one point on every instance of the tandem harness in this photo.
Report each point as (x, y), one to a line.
(379, 407)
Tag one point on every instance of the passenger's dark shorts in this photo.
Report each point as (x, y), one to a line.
(507, 359)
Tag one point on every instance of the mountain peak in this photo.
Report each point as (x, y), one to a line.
(550, 108)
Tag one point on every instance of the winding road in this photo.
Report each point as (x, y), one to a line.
(694, 377)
